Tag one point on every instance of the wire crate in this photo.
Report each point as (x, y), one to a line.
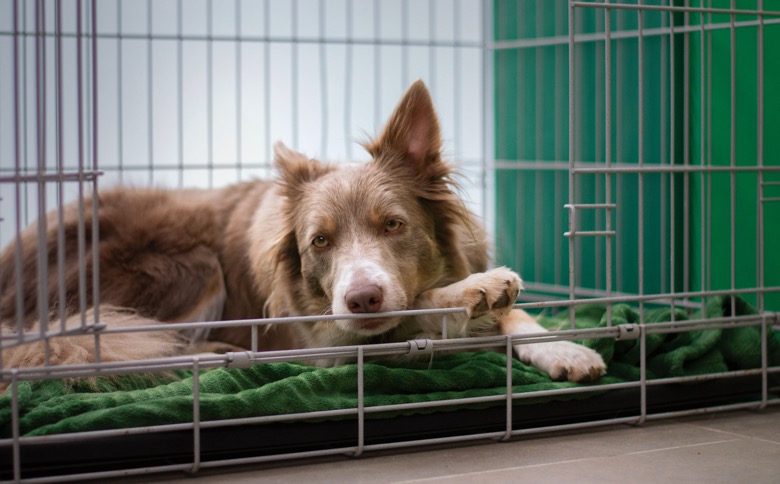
(619, 153)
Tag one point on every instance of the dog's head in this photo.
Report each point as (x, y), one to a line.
(369, 239)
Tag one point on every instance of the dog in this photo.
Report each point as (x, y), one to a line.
(389, 235)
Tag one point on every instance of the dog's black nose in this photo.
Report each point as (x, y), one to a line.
(364, 299)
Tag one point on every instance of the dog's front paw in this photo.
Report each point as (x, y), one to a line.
(494, 291)
(565, 360)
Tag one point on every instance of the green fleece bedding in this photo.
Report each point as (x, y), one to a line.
(50, 407)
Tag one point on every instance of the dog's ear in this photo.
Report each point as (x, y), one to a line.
(412, 134)
(295, 169)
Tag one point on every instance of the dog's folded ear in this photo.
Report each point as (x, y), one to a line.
(295, 169)
(412, 136)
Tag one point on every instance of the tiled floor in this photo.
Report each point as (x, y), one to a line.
(729, 447)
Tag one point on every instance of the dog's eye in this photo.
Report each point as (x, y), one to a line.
(320, 242)
(392, 225)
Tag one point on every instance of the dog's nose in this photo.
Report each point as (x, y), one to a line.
(364, 299)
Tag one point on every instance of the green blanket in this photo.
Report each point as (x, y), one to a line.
(50, 407)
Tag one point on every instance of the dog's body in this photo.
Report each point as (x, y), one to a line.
(388, 235)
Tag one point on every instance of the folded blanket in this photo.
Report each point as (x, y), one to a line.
(54, 406)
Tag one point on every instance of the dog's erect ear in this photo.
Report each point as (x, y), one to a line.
(411, 132)
(295, 169)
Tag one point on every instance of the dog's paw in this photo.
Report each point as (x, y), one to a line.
(494, 291)
(565, 360)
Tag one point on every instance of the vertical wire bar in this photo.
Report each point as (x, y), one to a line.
(267, 79)
(664, 159)
(708, 87)
(377, 66)
(558, 189)
(598, 120)
(294, 73)
(538, 132)
(95, 165)
(60, 169)
(760, 142)
(704, 285)
(348, 77)
(195, 415)
(40, 126)
(360, 403)
(17, 451)
(456, 66)
(405, 42)
(323, 84)
(432, 16)
(80, 129)
(210, 92)
(150, 93)
(572, 213)
(760, 221)
(619, 47)
(672, 147)
(18, 249)
(642, 375)
(488, 133)
(733, 157)
(180, 91)
(579, 194)
(686, 154)
(444, 321)
(764, 362)
(120, 101)
(254, 338)
(608, 240)
(641, 160)
(509, 389)
(239, 104)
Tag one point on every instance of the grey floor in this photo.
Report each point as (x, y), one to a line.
(732, 447)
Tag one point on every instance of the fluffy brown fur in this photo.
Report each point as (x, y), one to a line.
(389, 235)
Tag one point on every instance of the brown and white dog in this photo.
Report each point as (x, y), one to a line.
(388, 235)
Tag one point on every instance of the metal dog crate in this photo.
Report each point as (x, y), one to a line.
(619, 152)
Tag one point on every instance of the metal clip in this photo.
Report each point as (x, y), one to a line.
(239, 360)
(627, 331)
(420, 347)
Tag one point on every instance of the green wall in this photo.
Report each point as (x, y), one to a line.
(531, 109)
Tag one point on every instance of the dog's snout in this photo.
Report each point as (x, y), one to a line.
(364, 299)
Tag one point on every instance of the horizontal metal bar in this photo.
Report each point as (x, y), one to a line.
(590, 233)
(600, 167)
(105, 329)
(439, 440)
(770, 199)
(404, 42)
(110, 474)
(628, 298)
(668, 8)
(622, 168)
(575, 426)
(711, 376)
(578, 206)
(706, 410)
(531, 43)
(84, 176)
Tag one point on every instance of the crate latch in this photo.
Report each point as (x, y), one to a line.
(627, 331)
(420, 347)
(242, 359)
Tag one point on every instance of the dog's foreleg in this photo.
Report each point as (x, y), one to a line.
(486, 296)
(563, 360)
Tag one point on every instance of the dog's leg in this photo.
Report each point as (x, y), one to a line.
(486, 296)
(563, 360)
